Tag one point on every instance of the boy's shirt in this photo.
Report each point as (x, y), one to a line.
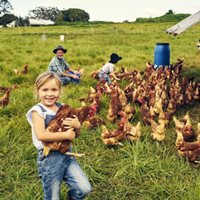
(58, 65)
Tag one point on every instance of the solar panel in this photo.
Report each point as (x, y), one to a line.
(185, 24)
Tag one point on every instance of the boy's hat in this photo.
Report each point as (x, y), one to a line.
(115, 58)
(59, 47)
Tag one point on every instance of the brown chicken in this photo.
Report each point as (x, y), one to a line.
(24, 71)
(135, 132)
(111, 138)
(158, 107)
(146, 114)
(198, 132)
(197, 94)
(171, 107)
(152, 98)
(93, 122)
(177, 68)
(115, 106)
(56, 126)
(187, 130)
(187, 142)
(149, 69)
(122, 97)
(129, 111)
(95, 74)
(190, 150)
(5, 99)
(4, 89)
(158, 131)
(128, 90)
(164, 117)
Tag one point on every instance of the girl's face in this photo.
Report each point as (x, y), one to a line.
(49, 93)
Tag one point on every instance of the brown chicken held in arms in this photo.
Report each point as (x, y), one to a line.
(56, 125)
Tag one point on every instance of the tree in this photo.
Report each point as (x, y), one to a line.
(20, 21)
(170, 12)
(7, 18)
(5, 6)
(49, 13)
(75, 14)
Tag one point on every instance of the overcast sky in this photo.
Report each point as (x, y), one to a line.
(112, 10)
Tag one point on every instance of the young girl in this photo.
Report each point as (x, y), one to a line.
(108, 69)
(56, 167)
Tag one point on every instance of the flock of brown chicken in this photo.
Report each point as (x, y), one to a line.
(157, 93)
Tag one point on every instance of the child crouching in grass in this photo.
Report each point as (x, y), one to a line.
(56, 167)
(107, 71)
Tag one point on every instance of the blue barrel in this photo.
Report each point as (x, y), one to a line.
(161, 55)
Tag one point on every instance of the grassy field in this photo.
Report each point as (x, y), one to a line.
(145, 170)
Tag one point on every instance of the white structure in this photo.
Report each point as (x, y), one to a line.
(62, 38)
(11, 24)
(44, 37)
(40, 22)
(185, 24)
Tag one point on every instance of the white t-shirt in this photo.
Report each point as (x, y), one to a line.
(108, 68)
(37, 143)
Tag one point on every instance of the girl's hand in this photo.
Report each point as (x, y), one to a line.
(71, 134)
(72, 122)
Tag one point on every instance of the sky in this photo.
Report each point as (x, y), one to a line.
(111, 10)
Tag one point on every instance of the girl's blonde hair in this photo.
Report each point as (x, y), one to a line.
(44, 78)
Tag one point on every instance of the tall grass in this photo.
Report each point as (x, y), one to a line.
(144, 170)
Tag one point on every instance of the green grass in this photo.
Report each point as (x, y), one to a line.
(145, 170)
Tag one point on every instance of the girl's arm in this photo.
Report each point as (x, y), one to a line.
(43, 135)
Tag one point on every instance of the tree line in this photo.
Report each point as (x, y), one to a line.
(169, 16)
(45, 13)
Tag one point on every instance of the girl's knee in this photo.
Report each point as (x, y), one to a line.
(86, 189)
(81, 191)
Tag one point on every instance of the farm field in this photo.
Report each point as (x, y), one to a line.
(143, 170)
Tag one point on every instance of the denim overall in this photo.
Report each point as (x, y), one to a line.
(58, 167)
(104, 76)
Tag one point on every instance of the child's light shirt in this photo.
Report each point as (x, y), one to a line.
(108, 68)
(37, 143)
